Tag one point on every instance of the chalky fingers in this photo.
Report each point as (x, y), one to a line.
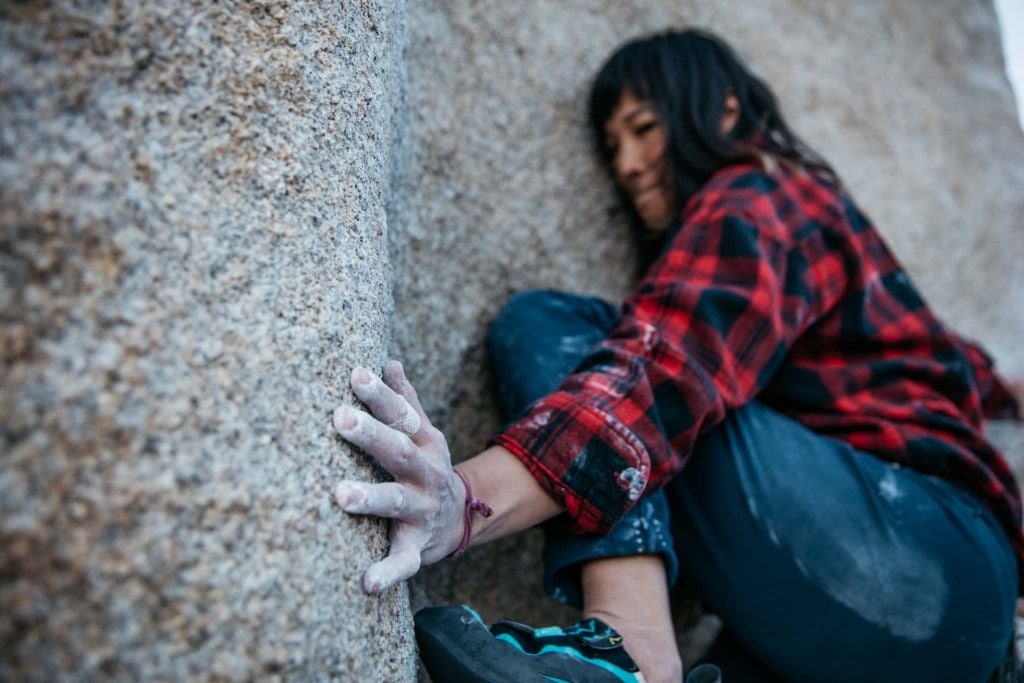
(394, 376)
(388, 499)
(394, 450)
(428, 435)
(387, 406)
(426, 503)
(402, 561)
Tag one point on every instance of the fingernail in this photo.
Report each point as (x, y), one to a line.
(374, 584)
(343, 494)
(345, 419)
(361, 376)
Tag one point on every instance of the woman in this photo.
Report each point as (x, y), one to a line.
(774, 414)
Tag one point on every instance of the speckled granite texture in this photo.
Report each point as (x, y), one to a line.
(193, 257)
(206, 208)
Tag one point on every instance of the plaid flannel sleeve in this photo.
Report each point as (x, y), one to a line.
(702, 333)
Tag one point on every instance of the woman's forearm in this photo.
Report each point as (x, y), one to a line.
(499, 479)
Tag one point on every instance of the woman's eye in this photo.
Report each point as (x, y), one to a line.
(645, 127)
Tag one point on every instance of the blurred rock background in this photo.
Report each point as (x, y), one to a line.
(210, 213)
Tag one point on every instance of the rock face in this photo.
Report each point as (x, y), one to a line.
(206, 208)
(193, 259)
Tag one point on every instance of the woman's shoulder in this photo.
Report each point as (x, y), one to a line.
(782, 198)
(768, 184)
(767, 174)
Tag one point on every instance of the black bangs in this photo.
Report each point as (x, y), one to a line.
(627, 70)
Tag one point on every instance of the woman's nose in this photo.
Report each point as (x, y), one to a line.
(629, 161)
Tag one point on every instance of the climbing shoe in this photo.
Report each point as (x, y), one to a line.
(456, 645)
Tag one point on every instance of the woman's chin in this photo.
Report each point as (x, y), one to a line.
(656, 222)
(654, 213)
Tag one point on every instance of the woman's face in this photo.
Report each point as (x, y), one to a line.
(635, 136)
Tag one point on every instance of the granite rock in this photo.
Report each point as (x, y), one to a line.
(192, 259)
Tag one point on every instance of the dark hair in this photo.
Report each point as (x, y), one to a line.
(687, 75)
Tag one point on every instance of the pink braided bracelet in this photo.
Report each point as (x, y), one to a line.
(472, 505)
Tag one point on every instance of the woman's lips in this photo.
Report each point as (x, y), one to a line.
(647, 194)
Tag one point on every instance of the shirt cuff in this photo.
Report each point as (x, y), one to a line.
(582, 457)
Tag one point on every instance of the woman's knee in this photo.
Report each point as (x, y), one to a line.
(521, 310)
(539, 318)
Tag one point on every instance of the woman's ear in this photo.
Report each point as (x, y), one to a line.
(731, 113)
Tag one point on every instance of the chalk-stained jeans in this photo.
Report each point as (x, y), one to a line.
(827, 563)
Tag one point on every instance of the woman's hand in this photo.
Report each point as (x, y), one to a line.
(426, 501)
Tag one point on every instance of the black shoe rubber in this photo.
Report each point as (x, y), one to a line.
(455, 647)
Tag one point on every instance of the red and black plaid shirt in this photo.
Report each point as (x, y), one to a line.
(774, 286)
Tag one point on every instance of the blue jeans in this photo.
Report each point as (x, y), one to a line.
(826, 563)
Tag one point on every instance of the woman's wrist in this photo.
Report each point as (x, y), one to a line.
(503, 483)
(473, 507)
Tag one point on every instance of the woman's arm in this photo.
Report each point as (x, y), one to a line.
(503, 482)
(427, 500)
